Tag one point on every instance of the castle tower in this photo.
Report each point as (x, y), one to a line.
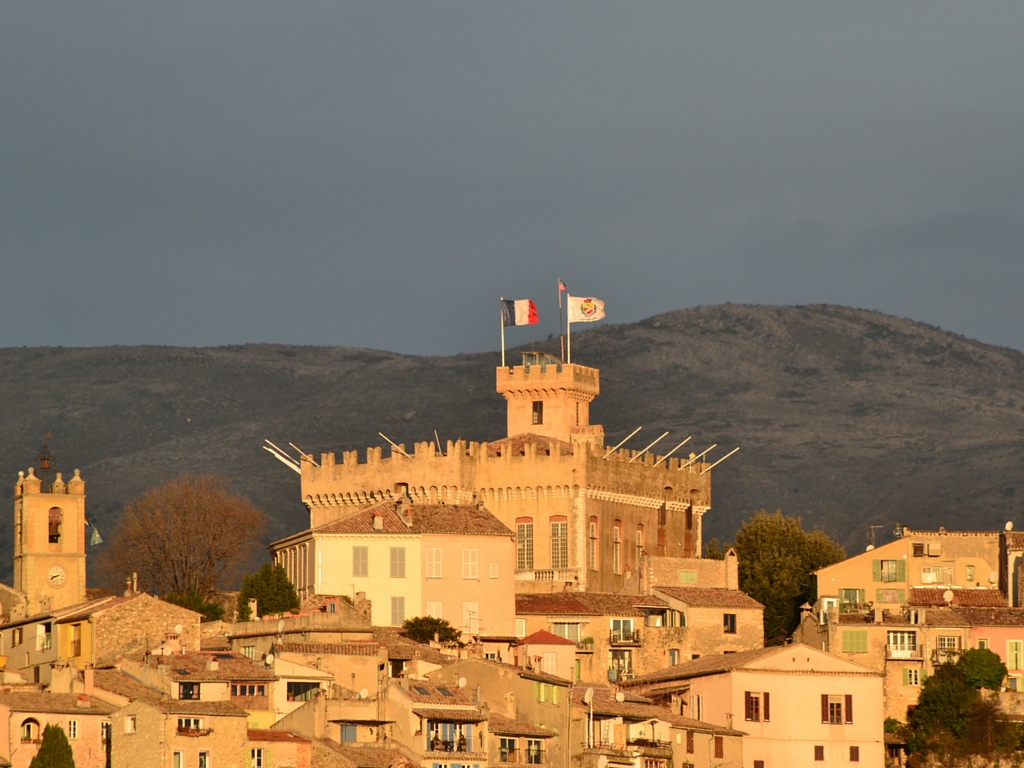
(547, 397)
(49, 541)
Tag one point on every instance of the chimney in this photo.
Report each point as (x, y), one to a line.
(253, 605)
(732, 570)
(212, 665)
(83, 702)
(378, 522)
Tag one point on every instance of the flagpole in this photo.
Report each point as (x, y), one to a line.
(568, 328)
(501, 317)
(561, 338)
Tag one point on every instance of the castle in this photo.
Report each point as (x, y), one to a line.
(583, 516)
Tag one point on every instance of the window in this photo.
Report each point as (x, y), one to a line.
(188, 691)
(433, 563)
(689, 743)
(434, 609)
(17, 636)
(819, 753)
(639, 544)
(256, 755)
(756, 706)
(836, 710)
(105, 732)
(129, 724)
(533, 752)
(902, 642)
(622, 630)
(696, 707)
(471, 618)
(854, 754)
(687, 577)
(550, 662)
(851, 596)
(759, 764)
(179, 760)
(524, 544)
(538, 412)
(936, 574)
(729, 623)
(970, 573)
(855, 641)
(919, 550)
(248, 689)
(621, 664)
(398, 562)
(30, 730)
(507, 750)
(911, 677)
(494, 570)
(673, 657)
(249, 651)
(983, 643)
(56, 519)
(204, 760)
(947, 642)
(559, 544)
(592, 545)
(719, 746)
(1014, 654)
(470, 564)
(189, 724)
(348, 733)
(360, 561)
(570, 630)
(889, 570)
(520, 627)
(617, 547)
(397, 611)
(890, 595)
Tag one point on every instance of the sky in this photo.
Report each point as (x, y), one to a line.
(378, 174)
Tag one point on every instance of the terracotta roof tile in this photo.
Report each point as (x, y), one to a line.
(191, 666)
(331, 649)
(708, 665)
(506, 726)
(992, 617)
(213, 708)
(422, 692)
(586, 604)
(450, 715)
(63, 703)
(978, 598)
(465, 519)
(256, 734)
(120, 684)
(708, 597)
(371, 757)
(543, 637)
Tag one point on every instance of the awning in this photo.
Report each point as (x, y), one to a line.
(451, 715)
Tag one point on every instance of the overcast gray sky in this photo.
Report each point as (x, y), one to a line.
(377, 174)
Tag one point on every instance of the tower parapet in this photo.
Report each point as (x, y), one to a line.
(547, 397)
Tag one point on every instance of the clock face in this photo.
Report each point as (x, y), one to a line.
(57, 576)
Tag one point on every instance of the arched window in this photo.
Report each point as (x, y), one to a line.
(56, 521)
(524, 543)
(30, 730)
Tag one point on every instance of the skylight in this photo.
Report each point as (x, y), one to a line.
(421, 691)
(445, 692)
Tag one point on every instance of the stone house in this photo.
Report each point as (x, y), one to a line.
(583, 515)
(715, 620)
(544, 652)
(777, 691)
(438, 723)
(278, 749)
(25, 714)
(530, 698)
(451, 561)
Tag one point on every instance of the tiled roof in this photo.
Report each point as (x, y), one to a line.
(515, 445)
(256, 734)
(369, 648)
(943, 617)
(992, 617)
(422, 692)
(978, 598)
(709, 597)
(500, 725)
(85, 610)
(63, 703)
(638, 708)
(586, 604)
(192, 667)
(526, 674)
(467, 519)
(123, 685)
(450, 715)
(543, 637)
(708, 665)
(369, 756)
(401, 647)
(1014, 540)
(212, 708)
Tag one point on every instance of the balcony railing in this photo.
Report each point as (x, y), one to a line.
(854, 607)
(624, 637)
(550, 574)
(195, 731)
(649, 743)
(902, 652)
(441, 745)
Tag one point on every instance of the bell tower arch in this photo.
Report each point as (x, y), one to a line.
(49, 541)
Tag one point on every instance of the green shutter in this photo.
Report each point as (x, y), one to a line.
(536, 691)
(901, 595)
(855, 641)
(862, 597)
(847, 641)
(876, 570)
(901, 570)
(878, 595)
(554, 694)
(906, 677)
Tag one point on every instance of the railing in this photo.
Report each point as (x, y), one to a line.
(902, 652)
(195, 731)
(649, 743)
(940, 655)
(854, 607)
(551, 574)
(534, 757)
(439, 745)
(509, 756)
(624, 637)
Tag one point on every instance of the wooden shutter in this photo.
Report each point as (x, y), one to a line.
(901, 570)
(767, 710)
(901, 595)
(906, 676)
(748, 705)
(689, 742)
(876, 570)
(848, 709)
(824, 708)
(719, 746)
(878, 595)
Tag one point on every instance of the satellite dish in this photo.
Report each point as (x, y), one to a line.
(588, 697)
(178, 628)
(1009, 525)
(620, 697)
(869, 547)
(462, 682)
(364, 693)
(270, 658)
(948, 595)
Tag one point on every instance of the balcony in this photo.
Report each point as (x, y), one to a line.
(194, 732)
(522, 757)
(854, 607)
(651, 747)
(901, 652)
(442, 746)
(586, 645)
(624, 637)
(553, 574)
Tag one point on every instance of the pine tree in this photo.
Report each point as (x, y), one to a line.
(55, 751)
(273, 591)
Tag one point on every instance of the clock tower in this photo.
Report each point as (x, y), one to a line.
(49, 541)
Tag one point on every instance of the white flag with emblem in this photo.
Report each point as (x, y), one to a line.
(585, 309)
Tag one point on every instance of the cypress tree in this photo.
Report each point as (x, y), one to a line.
(55, 751)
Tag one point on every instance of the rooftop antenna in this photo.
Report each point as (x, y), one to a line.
(394, 446)
(698, 456)
(730, 453)
(673, 450)
(281, 456)
(47, 463)
(613, 450)
(871, 532)
(645, 450)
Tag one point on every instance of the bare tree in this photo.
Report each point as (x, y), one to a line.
(186, 534)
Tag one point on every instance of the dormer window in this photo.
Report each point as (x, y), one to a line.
(55, 522)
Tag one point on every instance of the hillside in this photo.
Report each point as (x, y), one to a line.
(845, 417)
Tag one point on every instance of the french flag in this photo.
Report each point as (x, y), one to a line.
(522, 312)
